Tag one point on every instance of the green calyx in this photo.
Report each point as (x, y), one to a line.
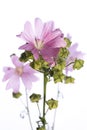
(35, 97)
(52, 104)
(16, 95)
(78, 64)
(69, 79)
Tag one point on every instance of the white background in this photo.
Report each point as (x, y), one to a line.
(71, 17)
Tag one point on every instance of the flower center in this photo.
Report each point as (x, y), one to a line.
(19, 70)
(38, 44)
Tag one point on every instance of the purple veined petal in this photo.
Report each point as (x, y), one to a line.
(28, 31)
(27, 46)
(48, 27)
(35, 53)
(73, 47)
(30, 47)
(74, 53)
(9, 72)
(52, 35)
(38, 28)
(25, 37)
(50, 52)
(33, 78)
(59, 43)
(56, 43)
(15, 61)
(26, 80)
(28, 69)
(14, 83)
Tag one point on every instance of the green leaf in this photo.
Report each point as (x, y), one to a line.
(16, 95)
(25, 56)
(58, 76)
(69, 79)
(78, 64)
(40, 65)
(63, 53)
(67, 40)
(61, 65)
(35, 97)
(53, 104)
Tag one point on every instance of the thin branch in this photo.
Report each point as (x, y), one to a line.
(27, 108)
(70, 64)
(55, 109)
(38, 109)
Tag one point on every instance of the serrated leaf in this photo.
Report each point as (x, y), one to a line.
(35, 97)
(58, 76)
(63, 53)
(16, 95)
(52, 104)
(78, 64)
(69, 79)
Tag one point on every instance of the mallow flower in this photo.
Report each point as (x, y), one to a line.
(44, 41)
(20, 71)
(74, 54)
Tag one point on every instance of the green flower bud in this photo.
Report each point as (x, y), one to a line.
(52, 104)
(16, 95)
(78, 64)
(69, 79)
(35, 97)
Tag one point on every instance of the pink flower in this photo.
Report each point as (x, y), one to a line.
(46, 40)
(25, 72)
(74, 54)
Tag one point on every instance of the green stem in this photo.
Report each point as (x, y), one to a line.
(44, 99)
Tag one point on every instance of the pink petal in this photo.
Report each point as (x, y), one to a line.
(50, 52)
(28, 31)
(26, 80)
(28, 69)
(73, 47)
(9, 72)
(56, 43)
(35, 53)
(53, 35)
(27, 34)
(7, 69)
(74, 53)
(15, 61)
(38, 28)
(27, 46)
(13, 83)
(48, 27)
